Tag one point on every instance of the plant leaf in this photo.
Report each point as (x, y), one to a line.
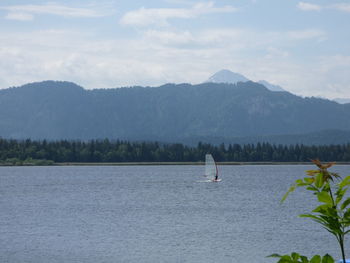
(291, 189)
(295, 256)
(327, 259)
(324, 197)
(345, 203)
(316, 259)
(319, 180)
(345, 181)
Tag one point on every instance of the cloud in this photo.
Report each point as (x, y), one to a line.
(27, 12)
(344, 7)
(159, 16)
(273, 52)
(308, 7)
(232, 38)
(195, 55)
(307, 34)
(182, 2)
(170, 37)
(19, 16)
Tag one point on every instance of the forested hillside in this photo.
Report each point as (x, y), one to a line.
(169, 113)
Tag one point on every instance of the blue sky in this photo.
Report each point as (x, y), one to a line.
(303, 46)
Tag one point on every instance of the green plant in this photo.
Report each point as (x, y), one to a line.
(333, 213)
(296, 258)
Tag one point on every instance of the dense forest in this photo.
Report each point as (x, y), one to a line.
(242, 113)
(22, 151)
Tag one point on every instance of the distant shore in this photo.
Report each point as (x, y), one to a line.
(178, 163)
(163, 163)
(188, 163)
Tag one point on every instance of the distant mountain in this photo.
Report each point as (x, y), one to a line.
(342, 100)
(169, 113)
(229, 77)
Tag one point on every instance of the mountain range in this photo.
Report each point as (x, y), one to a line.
(245, 112)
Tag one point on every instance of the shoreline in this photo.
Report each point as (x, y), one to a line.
(167, 163)
(189, 163)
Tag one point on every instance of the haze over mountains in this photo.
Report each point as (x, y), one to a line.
(342, 100)
(246, 112)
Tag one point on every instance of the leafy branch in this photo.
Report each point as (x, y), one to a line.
(297, 258)
(333, 213)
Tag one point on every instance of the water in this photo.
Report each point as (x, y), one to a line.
(155, 214)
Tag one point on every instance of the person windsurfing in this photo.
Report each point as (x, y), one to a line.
(216, 178)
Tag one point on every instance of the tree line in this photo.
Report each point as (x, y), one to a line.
(125, 151)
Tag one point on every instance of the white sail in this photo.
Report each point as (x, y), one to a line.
(210, 167)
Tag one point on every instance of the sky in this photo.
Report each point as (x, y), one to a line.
(302, 46)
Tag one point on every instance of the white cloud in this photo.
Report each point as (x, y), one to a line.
(308, 7)
(329, 76)
(273, 52)
(145, 17)
(160, 16)
(182, 2)
(19, 16)
(170, 37)
(160, 56)
(239, 39)
(27, 12)
(344, 7)
(307, 34)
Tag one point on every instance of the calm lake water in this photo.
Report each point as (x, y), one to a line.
(155, 214)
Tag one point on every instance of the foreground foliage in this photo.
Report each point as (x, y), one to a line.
(296, 258)
(333, 211)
